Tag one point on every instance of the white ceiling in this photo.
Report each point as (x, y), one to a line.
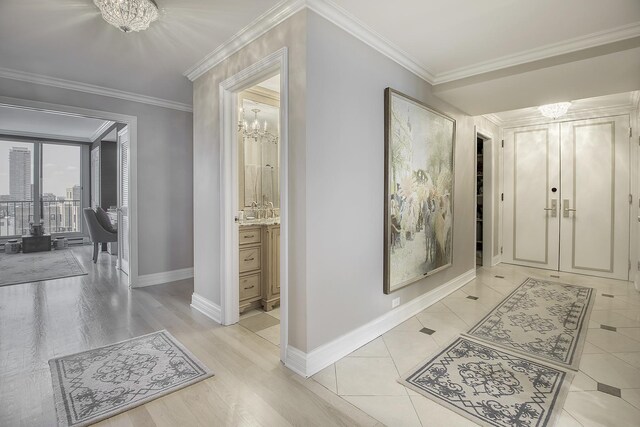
(68, 39)
(272, 83)
(450, 39)
(22, 122)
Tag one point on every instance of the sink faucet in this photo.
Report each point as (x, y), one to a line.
(254, 208)
(271, 209)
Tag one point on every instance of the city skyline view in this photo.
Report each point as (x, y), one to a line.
(60, 167)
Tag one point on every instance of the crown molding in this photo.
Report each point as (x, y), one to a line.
(358, 29)
(92, 89)
(352, 25)
(47, 136)
(572, 45)
(98, 132)
(493, 119)
(581, 114)
(325, 8)
(635, 99)
(255, 29)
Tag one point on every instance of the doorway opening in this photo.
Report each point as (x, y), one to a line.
(259, 208)
(486, 217)
(254, 198)
(51, 184)
(479, 200)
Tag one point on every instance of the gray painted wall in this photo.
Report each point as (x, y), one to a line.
(345, 138)
(165, 171)
(336, 178)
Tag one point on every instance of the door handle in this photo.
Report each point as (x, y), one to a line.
(566, 209)
(553, 208)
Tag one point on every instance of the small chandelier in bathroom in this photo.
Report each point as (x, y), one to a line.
(255, 131)
(128, 15)
(554, 111)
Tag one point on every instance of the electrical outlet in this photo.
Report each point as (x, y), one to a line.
(395, 302)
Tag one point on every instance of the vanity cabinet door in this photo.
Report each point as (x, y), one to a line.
(249, 235)
(250, 259)
(249, 286)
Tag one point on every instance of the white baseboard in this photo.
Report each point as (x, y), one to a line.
(164, 277)
(496, 260)
(307, 364)
(296, 360)
(206, 307)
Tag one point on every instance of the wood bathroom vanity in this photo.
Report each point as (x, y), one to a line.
(259, 266)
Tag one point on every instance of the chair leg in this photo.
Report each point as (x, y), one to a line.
(95, 252)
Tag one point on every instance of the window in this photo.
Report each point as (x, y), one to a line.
(40, 181)
(61, 188)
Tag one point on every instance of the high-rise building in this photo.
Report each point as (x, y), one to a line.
(20, 173)
(71, 209)
(73, 193)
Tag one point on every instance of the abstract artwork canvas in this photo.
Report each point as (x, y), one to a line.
(419, 179)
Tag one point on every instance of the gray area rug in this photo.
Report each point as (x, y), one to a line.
(544, 319)
(491, 387)
(100, 383)
(38, 266)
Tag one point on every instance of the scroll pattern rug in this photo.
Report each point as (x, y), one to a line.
(547, 320)
(100, 383)
(491, 387)
(38, 266)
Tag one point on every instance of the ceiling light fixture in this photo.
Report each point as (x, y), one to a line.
(255, 130)
(554, 111)
(128, 15)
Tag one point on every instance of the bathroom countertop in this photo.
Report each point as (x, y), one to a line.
(254, 222)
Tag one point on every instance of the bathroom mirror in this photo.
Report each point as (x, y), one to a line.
(259, 148)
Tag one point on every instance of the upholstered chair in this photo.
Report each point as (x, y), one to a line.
(97, 232)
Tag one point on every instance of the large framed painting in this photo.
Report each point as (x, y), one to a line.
(418, 190)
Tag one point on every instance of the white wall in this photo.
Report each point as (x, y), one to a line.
(165, 171)
(345, 176)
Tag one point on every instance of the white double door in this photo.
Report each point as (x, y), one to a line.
(566, 197)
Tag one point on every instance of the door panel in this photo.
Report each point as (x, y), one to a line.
(531, 167)
(123, 200)
(595, 182)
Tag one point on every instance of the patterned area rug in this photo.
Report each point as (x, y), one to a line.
(38, 266)
(100, 383)
(491, 387)
(543, 319)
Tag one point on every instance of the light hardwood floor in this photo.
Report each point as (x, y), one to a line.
(39, 321)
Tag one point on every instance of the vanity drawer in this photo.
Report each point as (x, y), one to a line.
(250, 259)
(250, 235)
(250, 286)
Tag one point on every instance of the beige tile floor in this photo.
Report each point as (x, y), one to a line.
(367, 377)
(265, 324)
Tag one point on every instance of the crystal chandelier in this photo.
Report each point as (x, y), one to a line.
(553, 111)
(255, 131)
(128, 15)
